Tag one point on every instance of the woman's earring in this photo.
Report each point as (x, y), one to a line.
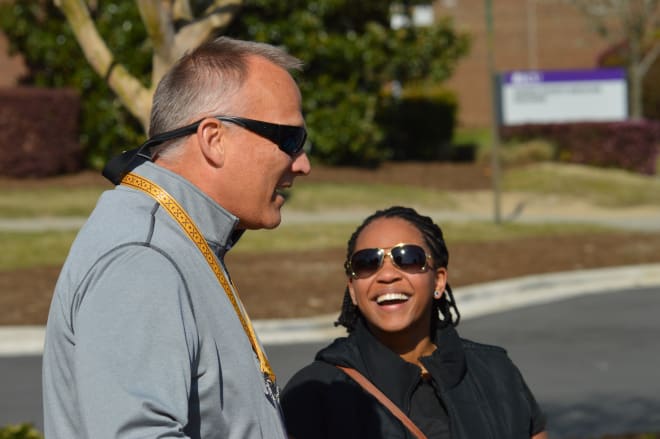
(437, 294)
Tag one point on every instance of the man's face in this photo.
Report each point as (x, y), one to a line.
(255, 169)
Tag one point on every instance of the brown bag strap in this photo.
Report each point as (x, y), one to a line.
(380, 396)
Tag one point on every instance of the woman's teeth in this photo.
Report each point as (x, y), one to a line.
(390, 297)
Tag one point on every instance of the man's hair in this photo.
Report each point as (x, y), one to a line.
(434, 240)
(203, 81)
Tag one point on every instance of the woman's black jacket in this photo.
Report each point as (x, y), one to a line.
(481, 390)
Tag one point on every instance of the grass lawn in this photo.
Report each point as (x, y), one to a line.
(606, 187)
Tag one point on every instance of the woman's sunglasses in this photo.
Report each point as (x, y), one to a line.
(410, 258)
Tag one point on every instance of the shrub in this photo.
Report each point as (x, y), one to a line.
(520, 153)
(39, 132)
(19, 431)
(420, 126)
(630, 145)
(341, 128)
(351, 54)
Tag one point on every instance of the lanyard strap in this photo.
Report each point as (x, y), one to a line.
(188, 225)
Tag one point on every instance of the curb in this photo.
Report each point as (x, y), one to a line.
(473, 301)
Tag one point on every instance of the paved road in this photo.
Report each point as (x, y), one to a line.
(593, 361)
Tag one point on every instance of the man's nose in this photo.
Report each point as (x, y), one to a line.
(301, 164)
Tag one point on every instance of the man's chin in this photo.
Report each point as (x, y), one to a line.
(268, 223)
(271, 222)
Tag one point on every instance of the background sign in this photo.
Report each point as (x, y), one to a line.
(535, 96)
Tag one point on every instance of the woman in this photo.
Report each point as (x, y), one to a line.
(400, 315)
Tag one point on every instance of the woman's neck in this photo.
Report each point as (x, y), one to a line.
(423, 348)
(410, 347)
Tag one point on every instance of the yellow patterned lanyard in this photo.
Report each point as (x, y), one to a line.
(180, 216)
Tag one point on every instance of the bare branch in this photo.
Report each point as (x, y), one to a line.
(132, 94)
(181, 10)
(157, 20)
(216, 18)
(649, 59)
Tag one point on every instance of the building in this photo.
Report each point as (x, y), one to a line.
(528, 35)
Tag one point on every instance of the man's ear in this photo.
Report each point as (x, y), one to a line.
(210, 138)
(351, 291)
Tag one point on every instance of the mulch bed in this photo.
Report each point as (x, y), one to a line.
(301, 284)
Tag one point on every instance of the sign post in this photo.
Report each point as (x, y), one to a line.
(492, 76)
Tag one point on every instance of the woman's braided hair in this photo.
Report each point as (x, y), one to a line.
(434, 240)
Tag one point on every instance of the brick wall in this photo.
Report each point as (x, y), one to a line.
(528, 34)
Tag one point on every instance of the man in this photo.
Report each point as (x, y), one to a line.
(145, 336)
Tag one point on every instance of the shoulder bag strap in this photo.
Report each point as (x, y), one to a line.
(380, 396)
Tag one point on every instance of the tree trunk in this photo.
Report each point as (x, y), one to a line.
(636, 112)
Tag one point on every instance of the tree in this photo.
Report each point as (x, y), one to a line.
(172, 26)
(349, 49)
(352, 55)
(637, 22)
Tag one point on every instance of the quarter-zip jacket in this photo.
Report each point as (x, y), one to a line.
(477, 387)
(141, 339)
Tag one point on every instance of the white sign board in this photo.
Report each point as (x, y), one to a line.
(563, 96)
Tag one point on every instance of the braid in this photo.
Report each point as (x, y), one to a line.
(349, 313)
(433, 238)
(443, 307)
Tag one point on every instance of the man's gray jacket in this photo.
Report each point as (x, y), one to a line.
(141, 340)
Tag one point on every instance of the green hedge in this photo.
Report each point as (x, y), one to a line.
(20, 431)
(629, 145)
(39, 132)
(420, 127)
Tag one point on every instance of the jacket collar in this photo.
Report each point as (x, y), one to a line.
(390, 373)
(446, 364)
(214, 222)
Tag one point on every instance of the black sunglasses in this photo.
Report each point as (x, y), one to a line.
(410, 258)
(288, 138)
